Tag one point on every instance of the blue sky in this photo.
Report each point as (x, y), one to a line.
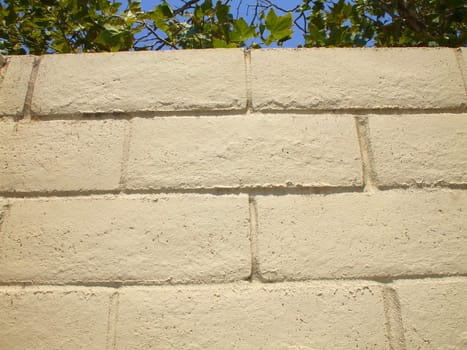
(244, 10)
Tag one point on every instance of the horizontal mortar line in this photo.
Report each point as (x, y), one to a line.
(382, 279)
(244, 112)
(422, 186)
(40, 194)
(365, 111)
(219, 191)
(141, 114)
(117, 284)
(121, 284)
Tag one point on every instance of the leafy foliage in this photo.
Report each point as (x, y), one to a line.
(64, 26)
(70, 26)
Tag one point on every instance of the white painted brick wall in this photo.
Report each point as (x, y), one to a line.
(140, 81)
(154, 239)
(54, 318)
(305, 79)
(434, 313)
(285, 316)
(243, 151)
(226, 199)
(419, 149)
(61, 155)
(361, 235)
(14, 78)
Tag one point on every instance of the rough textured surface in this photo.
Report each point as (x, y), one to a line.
(419, 149)
(140, 81)
(289, 316)
(220, 199)
(60, 155)
(234, 151)
(164, 239)
(14, 79)
(356, 78)
(393, 233)
(53, 318)
(434, 313)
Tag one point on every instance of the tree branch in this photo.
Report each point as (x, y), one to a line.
(158, 37)
(187, 5)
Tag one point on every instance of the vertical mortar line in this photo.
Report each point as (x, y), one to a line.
(249, 92)
(461, 65)
(393, 317)
(112, 321)
(30, 91)
(366, 154)
(253, 211)
(3, 214)
(4, 209)
(3, 67)
(125, 156)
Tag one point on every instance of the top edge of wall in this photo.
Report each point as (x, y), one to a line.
(156, 52)
(225, 80)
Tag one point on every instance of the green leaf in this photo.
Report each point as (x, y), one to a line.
(114, 38)
(161, 14)
(199, 12)
(271, 19)
(166, 9)
(207, 5)
(222, 12)
(242, 31)
(280, 27)
(219, 44)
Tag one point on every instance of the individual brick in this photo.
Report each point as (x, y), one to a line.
(434, 313)
(156, 239)
(301, 79)
(360, 235)
(14, 80)
(53, 318)
(244, 151)
(419, 149)
(140, 81)
(61, 155)
(252, 316)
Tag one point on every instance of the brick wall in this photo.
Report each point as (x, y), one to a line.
(225, 199)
